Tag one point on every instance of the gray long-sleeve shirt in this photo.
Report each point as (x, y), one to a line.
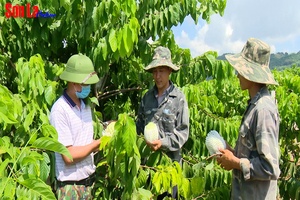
(171, 117)
(258, 148)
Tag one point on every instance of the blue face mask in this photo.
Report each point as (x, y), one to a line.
(85, 91)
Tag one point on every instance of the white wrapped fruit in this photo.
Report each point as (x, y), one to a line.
(151, 132)
(110, 129)
(214, 141)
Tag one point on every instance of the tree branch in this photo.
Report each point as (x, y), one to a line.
(108, 94)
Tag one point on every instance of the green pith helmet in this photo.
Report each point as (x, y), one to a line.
(80, 69)
(161, 57)
(253, 62)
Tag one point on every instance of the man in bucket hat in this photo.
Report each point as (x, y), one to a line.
(255, 159)
(72, 119)
(166, 106)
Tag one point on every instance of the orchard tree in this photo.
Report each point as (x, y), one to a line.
(113, 34)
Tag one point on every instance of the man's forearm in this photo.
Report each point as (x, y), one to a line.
(79, 153)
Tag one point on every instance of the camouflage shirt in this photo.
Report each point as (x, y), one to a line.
(257, 147)
(171, 116)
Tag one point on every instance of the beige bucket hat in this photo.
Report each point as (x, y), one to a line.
(253, 62)
(161, 57)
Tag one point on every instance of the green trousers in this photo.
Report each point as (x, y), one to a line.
(74, 192)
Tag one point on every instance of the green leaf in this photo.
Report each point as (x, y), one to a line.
(197, 185)
(6, 120)
(32, 85)
(50, 93)
(44, 118)
(39, 83)
(210, 166)
(55, 25)
(126, 38)
(141, 194)
(134, 164)
(6, 146)
(39, 187)
(45, 167)
(154, 158)
(19, 21)
(126, 130)
(121, 44)
(104, 142)
(113, 40)
(28, 120)
(130, 40)
(8, 185)
(165, 179)
(141, 178)
(25, 74)
(94, 100)
(49, 131)
(156, 181)
(103, 48)
(134, 28)
(185, 188)
(50, 144)
(3, 165)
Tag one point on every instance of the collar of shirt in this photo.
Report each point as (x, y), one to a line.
(252, 102)
(262, 92)
(70, 101)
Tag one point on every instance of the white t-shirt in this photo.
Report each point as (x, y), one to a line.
(75, 128)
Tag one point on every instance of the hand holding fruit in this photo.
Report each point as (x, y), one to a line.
(151, 136)
(154, 145)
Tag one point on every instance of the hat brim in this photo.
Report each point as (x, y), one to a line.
(78, 78)
(250, 70)
(158, 63)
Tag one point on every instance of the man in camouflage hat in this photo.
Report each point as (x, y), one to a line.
(72, 119)
(255, 159)
(166, 106)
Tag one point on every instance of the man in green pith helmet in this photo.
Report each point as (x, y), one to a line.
(72, 119)
(166, 106)
(255, 160)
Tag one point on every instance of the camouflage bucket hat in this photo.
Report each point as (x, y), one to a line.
(161, 57)
(80, 69)
(253, 62)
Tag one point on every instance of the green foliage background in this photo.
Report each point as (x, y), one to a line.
(114, 35)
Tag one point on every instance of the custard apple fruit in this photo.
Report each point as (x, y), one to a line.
(214, 141)
(151, 132)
